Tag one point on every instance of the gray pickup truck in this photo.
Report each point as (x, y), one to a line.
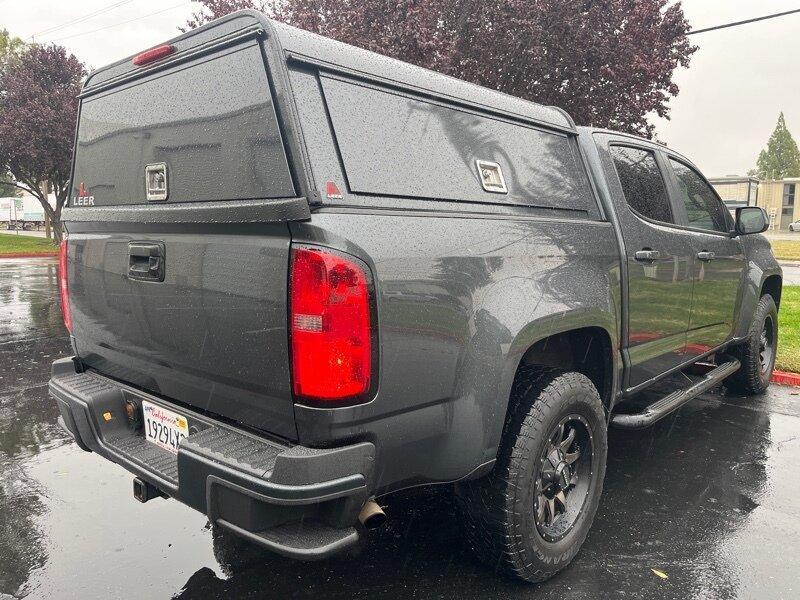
(300, 276)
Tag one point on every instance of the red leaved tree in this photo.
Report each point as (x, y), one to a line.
(38, 110)
(609, 63)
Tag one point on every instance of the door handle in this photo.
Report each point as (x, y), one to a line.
(646, 255)
(705, 255)
(146, 261)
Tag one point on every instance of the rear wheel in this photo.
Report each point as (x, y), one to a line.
(531, 515)
(757, 354)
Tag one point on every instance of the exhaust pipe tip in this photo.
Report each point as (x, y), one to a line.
(371, 515)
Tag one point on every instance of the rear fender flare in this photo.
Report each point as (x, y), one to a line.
(526, 337)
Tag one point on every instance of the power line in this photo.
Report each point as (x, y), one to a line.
(745, 22)
(158, 12)
(83, 18)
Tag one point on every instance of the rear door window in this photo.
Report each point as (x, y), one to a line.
(642, 183)
(392, 144)
(703, 209)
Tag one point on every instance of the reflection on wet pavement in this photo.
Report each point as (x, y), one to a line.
(710, 496)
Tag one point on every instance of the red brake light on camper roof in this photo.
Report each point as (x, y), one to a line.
(153, 54)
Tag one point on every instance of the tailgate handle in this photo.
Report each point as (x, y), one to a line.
(146, 261)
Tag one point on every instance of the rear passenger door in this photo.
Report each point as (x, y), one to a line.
(659, 258)
(719, 258)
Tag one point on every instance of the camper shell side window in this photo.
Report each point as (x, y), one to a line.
(382, 145)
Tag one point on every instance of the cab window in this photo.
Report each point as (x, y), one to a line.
(703, 209)
(642, 183)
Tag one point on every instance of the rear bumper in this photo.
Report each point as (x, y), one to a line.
(299, 502)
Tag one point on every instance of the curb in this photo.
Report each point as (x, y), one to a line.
(28, 255)
(784, 378)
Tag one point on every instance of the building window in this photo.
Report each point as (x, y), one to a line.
(788, 194)
(788, 198)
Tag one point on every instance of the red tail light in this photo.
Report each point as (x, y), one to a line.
(331, 326)
(63, 285)
(153, 55)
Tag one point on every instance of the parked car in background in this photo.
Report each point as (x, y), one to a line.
(795, 226)
(323, 276)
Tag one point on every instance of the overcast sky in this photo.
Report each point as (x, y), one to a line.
(738, 82)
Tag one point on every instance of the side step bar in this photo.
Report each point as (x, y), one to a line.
(667, 404)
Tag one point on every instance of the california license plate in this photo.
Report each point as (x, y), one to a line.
(163, 427)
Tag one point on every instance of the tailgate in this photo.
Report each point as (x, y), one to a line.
(177, 237)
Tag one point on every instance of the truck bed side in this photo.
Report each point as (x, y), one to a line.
(467, 282)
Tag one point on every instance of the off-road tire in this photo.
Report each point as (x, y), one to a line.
(499, 508)
(750, 379)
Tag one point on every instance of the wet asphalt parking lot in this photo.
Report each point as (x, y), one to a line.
(709, 496)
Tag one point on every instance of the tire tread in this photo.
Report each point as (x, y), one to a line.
(495, 527)
(748, 380)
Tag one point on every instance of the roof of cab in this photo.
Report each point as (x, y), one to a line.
(585, 130)
(327, 53)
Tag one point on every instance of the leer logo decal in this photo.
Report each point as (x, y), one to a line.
(83, 198)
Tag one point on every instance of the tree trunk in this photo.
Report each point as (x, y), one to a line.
(61, 199)
(53, 214)
(44, 186)
(58, 230)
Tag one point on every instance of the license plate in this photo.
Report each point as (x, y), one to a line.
(163, 427)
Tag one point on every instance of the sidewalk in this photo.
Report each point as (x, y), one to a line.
(791, 272)
(21, 233)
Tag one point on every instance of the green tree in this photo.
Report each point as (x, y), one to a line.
(7, 190)
(781, 157)
(10, 50)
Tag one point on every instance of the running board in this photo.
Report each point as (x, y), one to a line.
(661, 408)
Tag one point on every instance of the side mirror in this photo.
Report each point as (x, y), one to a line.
(751, 219)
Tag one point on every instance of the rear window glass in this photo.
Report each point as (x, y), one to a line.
(642, 183)
(211, 123)
(400, 146)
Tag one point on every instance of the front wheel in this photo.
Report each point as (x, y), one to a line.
(757, 354)
(531, 515)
